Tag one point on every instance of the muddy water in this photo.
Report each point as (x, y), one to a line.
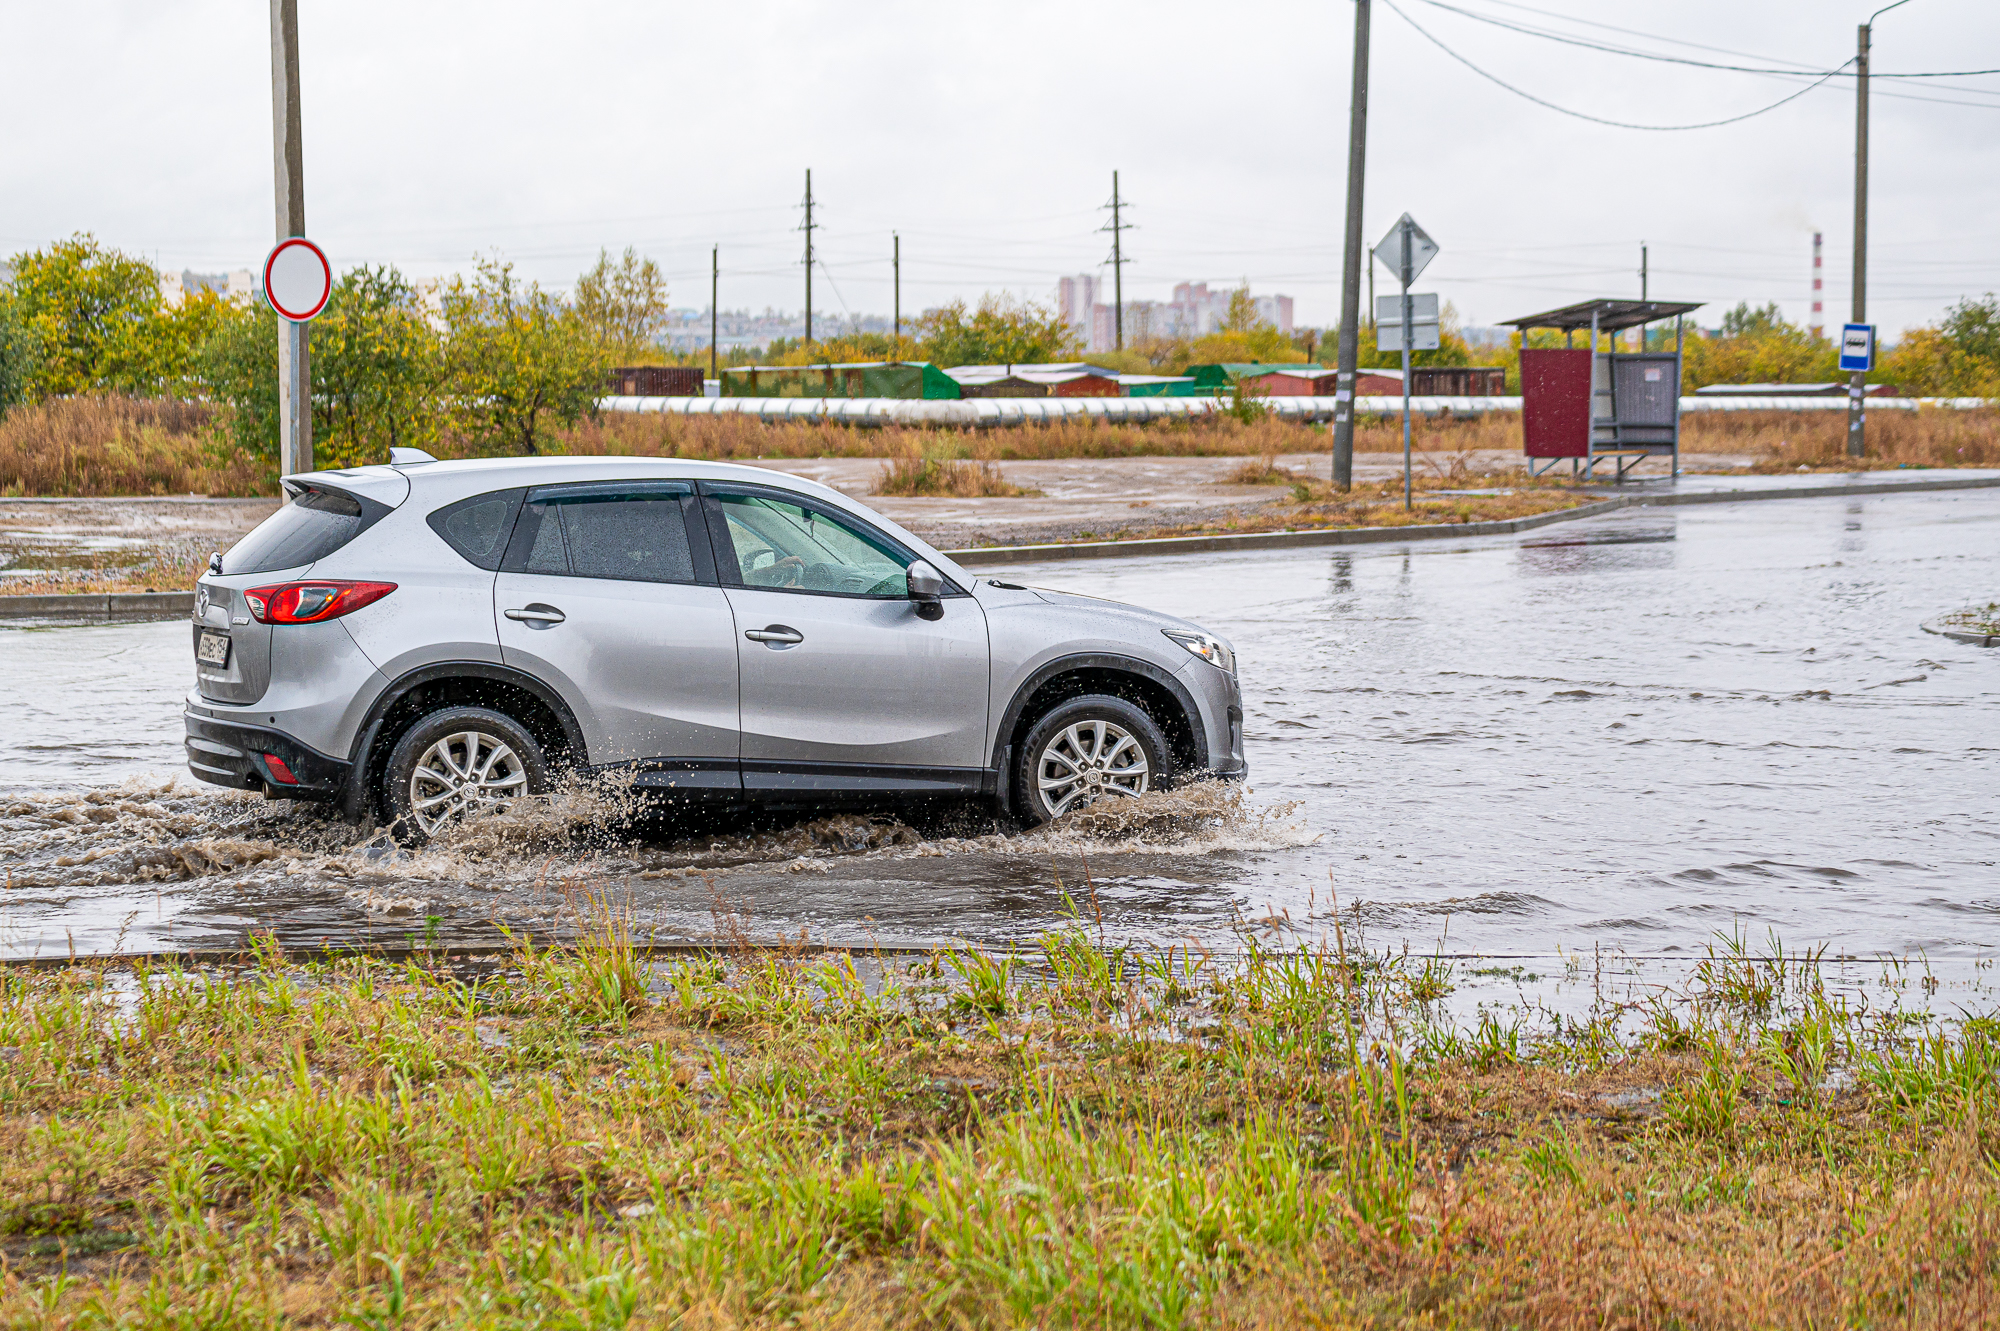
(1616, 737)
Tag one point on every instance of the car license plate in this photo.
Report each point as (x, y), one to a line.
(213, 649)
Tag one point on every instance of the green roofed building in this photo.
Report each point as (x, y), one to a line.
(903, 379)
(1208, 378)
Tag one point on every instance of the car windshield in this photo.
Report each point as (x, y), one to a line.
(791, 547)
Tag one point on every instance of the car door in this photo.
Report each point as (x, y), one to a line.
(603, 595)
(843, 685)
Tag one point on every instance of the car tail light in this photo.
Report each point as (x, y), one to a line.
(311, 602)
(278, 769)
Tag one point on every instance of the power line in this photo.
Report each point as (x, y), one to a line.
(1600, 120)
(1545, 35)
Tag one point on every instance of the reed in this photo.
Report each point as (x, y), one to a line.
(123, 446)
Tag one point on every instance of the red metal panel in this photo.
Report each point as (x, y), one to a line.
(1089, 385)
(1555, 402)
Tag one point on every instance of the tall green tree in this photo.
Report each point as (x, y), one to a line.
(1002, 331)
(97, 318)
(1958, 358)
(520, 361)
(377, 371)
(378, 368)
(624, 305)
(19, 354)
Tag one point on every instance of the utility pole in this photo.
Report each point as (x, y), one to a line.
(295, 447)
(714, 310)
(1818, 325)
(1408, 320)
(896, 266)
(809, 256)
(1644, 296)
(1350, 275)
(1857, 382)
(1117, 228)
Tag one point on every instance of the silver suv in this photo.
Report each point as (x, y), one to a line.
(427, 639)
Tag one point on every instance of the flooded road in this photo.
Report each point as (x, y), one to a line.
(1621, 735)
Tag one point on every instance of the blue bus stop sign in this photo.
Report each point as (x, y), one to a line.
(1857, 348)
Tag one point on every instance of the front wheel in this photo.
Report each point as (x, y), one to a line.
(1089, 748)
(461, 762)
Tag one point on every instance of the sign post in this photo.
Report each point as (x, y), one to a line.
(289, 178)
(297, 283)
(1407, 250)
(1857, 358)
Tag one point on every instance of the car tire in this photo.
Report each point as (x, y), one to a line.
(456, 762)
(1087, 748)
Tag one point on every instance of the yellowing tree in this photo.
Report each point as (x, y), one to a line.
(624, 307)
(1002, 331)
(519, 361)
(97, 321)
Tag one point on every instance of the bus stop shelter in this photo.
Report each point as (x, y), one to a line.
(1583, 403)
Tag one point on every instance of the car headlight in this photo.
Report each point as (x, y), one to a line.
(1210, 649)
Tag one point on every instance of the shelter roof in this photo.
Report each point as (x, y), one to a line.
(1610, 315)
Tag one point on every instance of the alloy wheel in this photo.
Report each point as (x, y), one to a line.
(465, 772)
(1087, 760)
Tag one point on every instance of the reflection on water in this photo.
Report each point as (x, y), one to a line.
(1624, 738)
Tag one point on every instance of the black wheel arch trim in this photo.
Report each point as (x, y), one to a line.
(370, 732)
(1062, 665)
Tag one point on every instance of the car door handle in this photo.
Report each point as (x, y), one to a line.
(777, 633)
(537, 615)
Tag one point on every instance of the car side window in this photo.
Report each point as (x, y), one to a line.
(785, 546)
(478, 527)
(629, 537)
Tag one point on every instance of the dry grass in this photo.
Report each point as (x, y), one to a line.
(123, 446)
(1080, 1135)
(1817, 440)
(937, 468)
(112, 446)
(1263, 471)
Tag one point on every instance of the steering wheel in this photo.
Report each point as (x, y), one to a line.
(794, 566)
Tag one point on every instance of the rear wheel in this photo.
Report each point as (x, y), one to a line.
(1089, 748)
(462, 762)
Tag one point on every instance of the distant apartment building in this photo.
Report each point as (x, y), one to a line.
(1195, 310)
(239, 286)
(1077, 300)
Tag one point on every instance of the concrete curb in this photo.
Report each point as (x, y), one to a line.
(96, 605)
(1436, 531)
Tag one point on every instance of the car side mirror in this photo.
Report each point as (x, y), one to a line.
(926, 590)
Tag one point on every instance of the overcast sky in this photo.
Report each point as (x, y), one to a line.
(987, 135)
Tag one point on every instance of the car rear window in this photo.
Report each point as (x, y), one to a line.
(630, 537)
(478, 527)
(315, 524)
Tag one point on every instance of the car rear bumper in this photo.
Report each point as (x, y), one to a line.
(228, 753)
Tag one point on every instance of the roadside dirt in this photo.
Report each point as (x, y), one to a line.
(145, 543)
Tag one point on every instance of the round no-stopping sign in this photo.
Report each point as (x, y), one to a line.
(297, 279)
